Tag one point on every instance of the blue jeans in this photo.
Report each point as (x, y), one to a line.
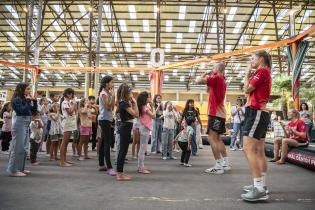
(19, 145)
(237, 128)
(194, 147)
(309, 131)
(156, 135)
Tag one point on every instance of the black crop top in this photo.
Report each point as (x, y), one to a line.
(123, 113)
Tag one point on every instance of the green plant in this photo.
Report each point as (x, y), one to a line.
(282, 85)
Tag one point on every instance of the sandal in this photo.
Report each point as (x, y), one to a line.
(144, 171)
(123, 177)
(66, 165)
(280, 162)
(27, 172)
(273, 161)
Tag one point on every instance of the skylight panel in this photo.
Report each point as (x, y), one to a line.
(167, 47)
(156, 9)
(148, 63)
(69, 46)
(128, 47)
(12, 11)
(108, 47)
(132, 11)
(80, 63)
(306, 27)
(256, 14)
(187, 48)
(13, 46)
(83, 10)
(12, 36)
(264, 40)
(46, 63)
(182, 12)
(206, 13)
(52, 35)
(12, 24)
(58, 76)
(182, 78)
(166, 78)
(283, 29)
(148, 47)
(231, 13)
(14, 70)
(282, 14)
(63, 64)
(131, 64)
(237, 28)
(122, 24)
(78, 24)
(56, 25)
(136, 36)
(74, 37)
(13, 75)
(115, 36)
(43, 76)
(169, 25)
(179, 37)
(58, 10)
(261, 28)
(192, 25)
(134, 77)
(208, 48)
(107, 11)
(119, 77)
(146, 26)
(114, 63)
(214, 27)
(73, 77)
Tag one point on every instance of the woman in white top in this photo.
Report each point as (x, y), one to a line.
(68, 109)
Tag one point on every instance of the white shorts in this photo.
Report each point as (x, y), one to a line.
(136, 124)
(69, 124)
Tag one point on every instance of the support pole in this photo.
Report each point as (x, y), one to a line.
(29, 21)
(89, 60)
(98, 44)
(297, 98)
(36, 72)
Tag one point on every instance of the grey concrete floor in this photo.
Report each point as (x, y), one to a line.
(169, 187)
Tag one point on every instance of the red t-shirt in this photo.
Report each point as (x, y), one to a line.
(217, 89)
(261, 80)
(299, 126)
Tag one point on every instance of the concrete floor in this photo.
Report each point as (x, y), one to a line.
(169, 187)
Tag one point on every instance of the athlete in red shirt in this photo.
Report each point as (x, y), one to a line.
(215, 82)
(295, 133)
(258, 87)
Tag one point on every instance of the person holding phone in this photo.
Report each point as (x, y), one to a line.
(24, 105)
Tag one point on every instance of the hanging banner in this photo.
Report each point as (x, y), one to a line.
(156, 82)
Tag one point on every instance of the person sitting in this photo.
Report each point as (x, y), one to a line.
(295, 136)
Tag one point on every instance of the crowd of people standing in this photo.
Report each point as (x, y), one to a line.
(118, 118)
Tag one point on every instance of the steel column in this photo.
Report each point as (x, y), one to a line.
(29, 22)
(98, 45)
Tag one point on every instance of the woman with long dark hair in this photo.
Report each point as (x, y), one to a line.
(191, 112)
(68, 107)
(24, 105)
(105, 119)
(128, 110)
(156, 141)
(307, 118)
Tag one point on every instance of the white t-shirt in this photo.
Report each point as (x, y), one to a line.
(239, 116)
(66, 104)
(36, 132)
(169, 119)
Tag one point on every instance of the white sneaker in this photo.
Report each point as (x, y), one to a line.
(187, 165)
(164, 158)
(226, 167)
(233, 149)
(214, 170)
(173, 158)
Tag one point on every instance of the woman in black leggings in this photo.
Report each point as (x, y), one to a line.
(128, 110)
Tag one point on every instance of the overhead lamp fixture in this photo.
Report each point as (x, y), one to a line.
(132, 11)
(146, 26)
(182, 11)
(169, 25)
(192, 25)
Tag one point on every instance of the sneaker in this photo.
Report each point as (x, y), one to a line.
(250, 187)
(6, 152)
(182, 164)
(173, 158)
(255, 195)
(187, 165)
(153, 153)
(240, 149)
(81, 158)
(164, 158)
(111, 172)
(233, 149)
(226, 167)
(214, 170)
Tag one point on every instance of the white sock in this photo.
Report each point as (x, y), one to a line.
(226, 160)
(258, 183)
(218, 163)
(263, 176)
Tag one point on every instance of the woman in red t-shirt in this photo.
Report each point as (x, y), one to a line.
(295, 133)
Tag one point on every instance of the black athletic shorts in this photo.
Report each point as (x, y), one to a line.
(217, 124)
(256, 123)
